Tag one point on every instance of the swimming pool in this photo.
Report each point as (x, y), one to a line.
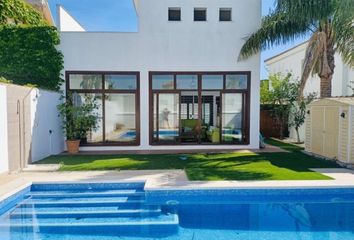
(126, 211)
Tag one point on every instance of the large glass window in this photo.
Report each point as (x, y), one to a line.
(199, 108)
(117, 95)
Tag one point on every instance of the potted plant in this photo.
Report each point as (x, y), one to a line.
(78, 120)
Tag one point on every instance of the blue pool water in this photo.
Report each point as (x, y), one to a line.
(162, 133)
(125, 211)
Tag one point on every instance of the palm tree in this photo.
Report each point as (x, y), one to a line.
(331, 25)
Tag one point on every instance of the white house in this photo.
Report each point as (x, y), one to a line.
(175, 83)
(291, 61)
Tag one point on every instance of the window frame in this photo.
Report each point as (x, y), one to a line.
(174, 9)
(200, 9)
(104, 91)
(225, 9)
(246, 103)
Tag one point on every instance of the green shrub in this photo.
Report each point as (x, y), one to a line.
(78, 120)
(28, 55)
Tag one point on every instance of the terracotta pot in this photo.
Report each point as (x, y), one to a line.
(73, 146)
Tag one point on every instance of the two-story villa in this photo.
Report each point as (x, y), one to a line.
(176, 83)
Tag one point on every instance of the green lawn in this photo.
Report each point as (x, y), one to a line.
(230, 166)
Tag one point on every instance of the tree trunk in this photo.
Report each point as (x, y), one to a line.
(298, 135)
(327, 72)
(281, 125)
(326, 86)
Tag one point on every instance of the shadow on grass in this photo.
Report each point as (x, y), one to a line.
(265, 166)
(223, 166)
(209, 174)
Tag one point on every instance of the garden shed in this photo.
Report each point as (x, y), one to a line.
(330, 128)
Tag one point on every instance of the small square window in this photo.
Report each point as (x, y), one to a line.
(225, 15)
(200, 14)
(174, 14)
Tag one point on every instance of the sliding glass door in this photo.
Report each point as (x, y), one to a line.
(166, 117)
(199, 108)
(232, 118)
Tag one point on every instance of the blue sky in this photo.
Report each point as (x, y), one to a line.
(119, 15)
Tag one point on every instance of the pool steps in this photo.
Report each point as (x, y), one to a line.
(118, 208)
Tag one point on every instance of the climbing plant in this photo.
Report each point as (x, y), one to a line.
(28, 53)
(19, 12)
(28, 56)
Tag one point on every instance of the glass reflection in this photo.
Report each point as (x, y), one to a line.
(85, 81)
(120, 124)
(120, 82)
(232, 106)
(94, 136)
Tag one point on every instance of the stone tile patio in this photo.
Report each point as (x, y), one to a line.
(166, 179)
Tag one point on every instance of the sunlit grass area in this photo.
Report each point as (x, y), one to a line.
(292, 165)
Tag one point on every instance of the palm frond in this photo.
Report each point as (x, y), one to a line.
(343, 26)
(276, 29)
(307, 10)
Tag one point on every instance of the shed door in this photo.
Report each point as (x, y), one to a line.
(331, 132)
(317, 122)
(325, 131)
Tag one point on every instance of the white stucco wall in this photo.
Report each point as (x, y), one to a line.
(47, 137)
(4, 161)
(161, 45)
(291, 61)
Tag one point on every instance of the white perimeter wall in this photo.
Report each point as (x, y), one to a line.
(45, 119)
(42, 117)
(4, 158)
(161, 45)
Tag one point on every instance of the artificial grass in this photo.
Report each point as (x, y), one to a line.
(293, 165)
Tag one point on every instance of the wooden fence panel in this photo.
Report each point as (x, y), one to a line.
(270, 127)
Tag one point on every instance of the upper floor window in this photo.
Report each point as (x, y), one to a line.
(225, 15)
(174, 14)
(200, 14)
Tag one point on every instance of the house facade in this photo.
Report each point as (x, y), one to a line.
(291, 61)
(175, 83)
